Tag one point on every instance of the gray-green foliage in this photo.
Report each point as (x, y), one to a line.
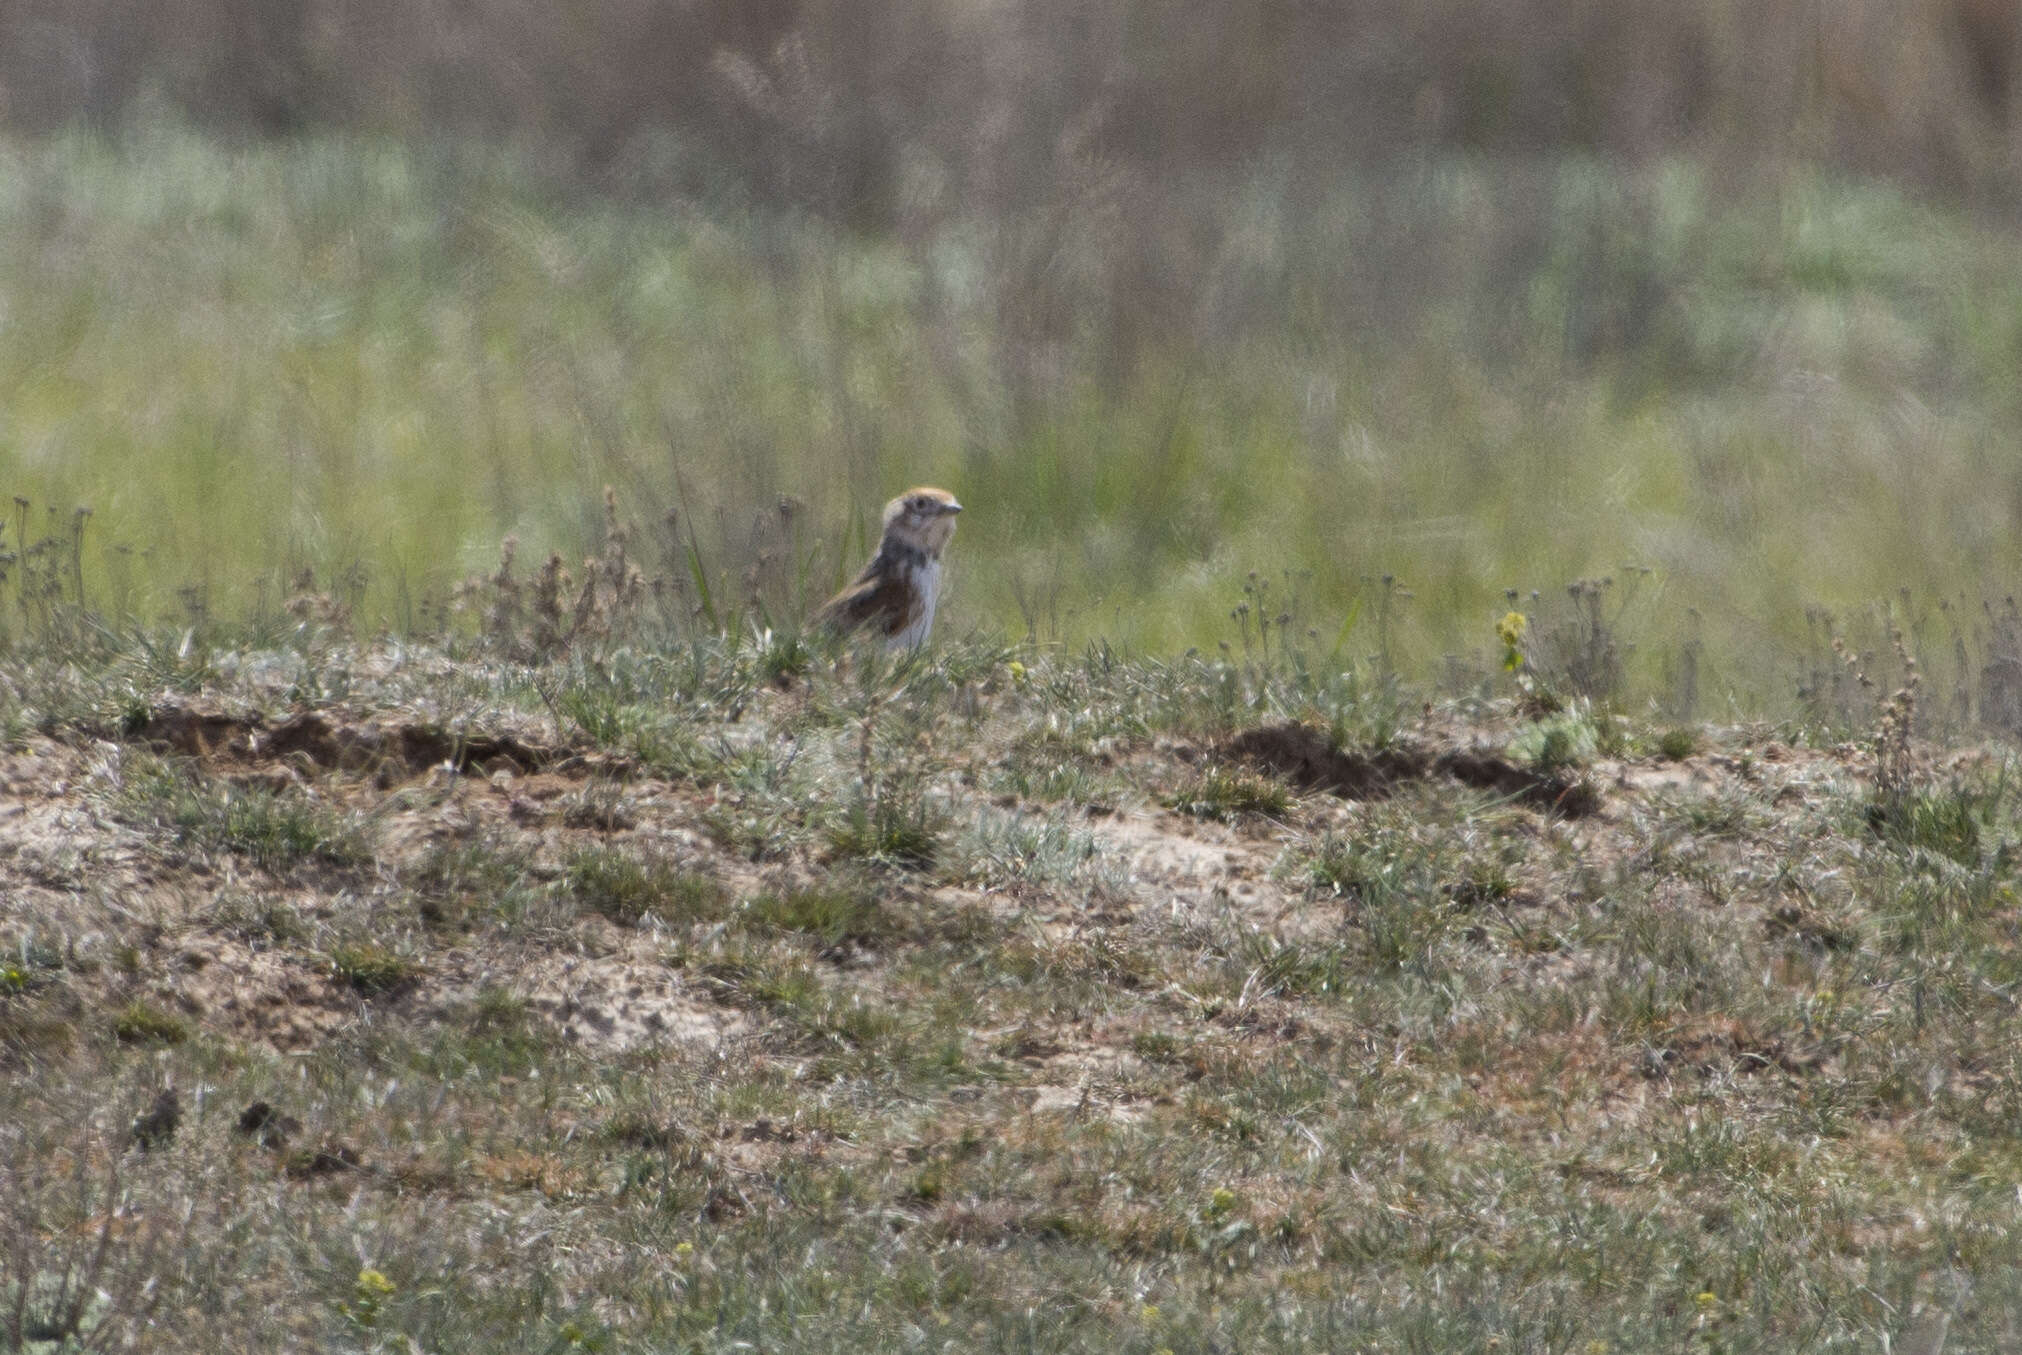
(450, 355)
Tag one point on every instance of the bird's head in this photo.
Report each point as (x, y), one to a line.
(923, 518)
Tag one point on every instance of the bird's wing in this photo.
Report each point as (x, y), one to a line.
(877, 599)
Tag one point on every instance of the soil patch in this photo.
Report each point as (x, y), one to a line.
(388, 749)
(1306, 757)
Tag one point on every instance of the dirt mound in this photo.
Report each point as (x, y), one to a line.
(391, 749)
(1306, 757)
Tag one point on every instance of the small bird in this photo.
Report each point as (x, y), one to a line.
(895, 594)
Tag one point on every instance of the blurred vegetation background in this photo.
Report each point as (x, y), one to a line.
(1382, 312)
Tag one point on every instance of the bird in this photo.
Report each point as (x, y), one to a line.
(895, 595)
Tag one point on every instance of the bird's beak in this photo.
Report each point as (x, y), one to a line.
(951, 507)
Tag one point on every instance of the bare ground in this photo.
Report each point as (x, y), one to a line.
(1326, 978)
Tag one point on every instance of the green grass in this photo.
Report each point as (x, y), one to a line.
(1221, 792)
(627, 890)
(280, 831)
(898, 824)
(1725, 1070)
(1678, 743)
(831, 914)
(993, 1010)
(373, 970)
(380, 361)
(142, 1023)
(1948, 821)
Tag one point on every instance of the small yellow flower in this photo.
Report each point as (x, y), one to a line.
(1222, 1201)
(1017, 670)
(1148, 1314)
(1510, 630)
(368, 1289)
(1706, 1298)
(684, 1249)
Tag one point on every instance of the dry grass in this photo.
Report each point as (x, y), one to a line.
(589, 961)
(1717, 1065)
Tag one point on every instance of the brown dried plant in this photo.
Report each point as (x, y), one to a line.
(1895, 766)
(539, 620)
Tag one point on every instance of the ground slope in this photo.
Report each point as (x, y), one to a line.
(375, 999)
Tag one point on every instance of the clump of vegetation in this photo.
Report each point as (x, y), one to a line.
(899, 825)
(1385, 861)
(462, 881)
(373, 970)
(259, 919)
(1004, 847)
(832, 913)
(1678, 743)
(538, 620)
(1581, 651)
(92, 1278)
(497, 1033)
(1947, 822)
(34, 964)
(1903, 806)
(143, 1023)
(618, 885)
(891, 815)
(1723, 814)
(1895, 761)
(278, 831)
(602, 806)
(1558, 742)
(1221, 791)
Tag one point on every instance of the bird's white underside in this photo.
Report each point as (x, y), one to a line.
(928, 579)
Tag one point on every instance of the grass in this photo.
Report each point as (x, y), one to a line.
(1220, 792)
(142, 1023)
(464, 883)
(971, 999)
(1678, 743)
(451, 355)
(372, 970)
(278, 831)
(1945, 821)
(832, 914)
(611, 882)
(1104, 1074)
(898, 825)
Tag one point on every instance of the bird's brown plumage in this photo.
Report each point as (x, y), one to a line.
(895, 594)
(882, 601)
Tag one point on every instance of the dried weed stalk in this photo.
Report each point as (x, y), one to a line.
(80, 1259)
(538, 620)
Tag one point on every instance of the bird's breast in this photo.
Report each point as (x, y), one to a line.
(925, 581)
